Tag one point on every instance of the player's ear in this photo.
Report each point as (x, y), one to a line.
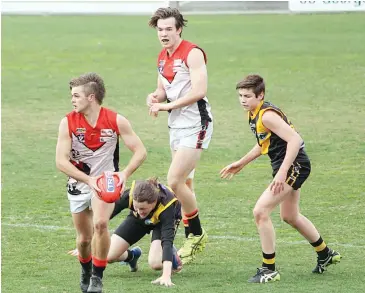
(91, 97)
(261, 96)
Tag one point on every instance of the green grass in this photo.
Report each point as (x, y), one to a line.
(314, 67)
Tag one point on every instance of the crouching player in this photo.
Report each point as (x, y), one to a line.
(291, 166)
(155, 208)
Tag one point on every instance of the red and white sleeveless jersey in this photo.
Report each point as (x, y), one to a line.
(174, 73)
(94, 149)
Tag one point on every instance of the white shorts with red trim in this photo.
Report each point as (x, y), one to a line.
(196, 138)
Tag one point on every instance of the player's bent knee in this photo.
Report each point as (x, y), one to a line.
(155, 260)
(84, 241)
(100, 225)
(112, 259)
(174, 182)
(155, 265)
(289, 219)
(260, 215)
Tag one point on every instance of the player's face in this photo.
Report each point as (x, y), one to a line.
(167, 32)
(143, 208)
(248, 99)
(79, 100)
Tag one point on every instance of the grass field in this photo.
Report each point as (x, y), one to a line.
(314, 67)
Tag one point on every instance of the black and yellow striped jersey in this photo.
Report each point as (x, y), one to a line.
(270, 143)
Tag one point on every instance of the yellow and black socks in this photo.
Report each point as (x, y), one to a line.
(268, 261)
(194, 223)
(321, 248)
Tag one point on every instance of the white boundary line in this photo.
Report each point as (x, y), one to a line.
(227, 237)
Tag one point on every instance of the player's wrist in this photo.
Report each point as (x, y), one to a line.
(283, 170)
(166, 275)
(167, 269)
(125, 174)
(87, 179)
(243, 162)
(170, 106)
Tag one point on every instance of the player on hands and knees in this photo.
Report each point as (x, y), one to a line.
(155, 208)
(182, 82)
(88, 145)
(276, 136)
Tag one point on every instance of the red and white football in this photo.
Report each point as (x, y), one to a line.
(107, 183)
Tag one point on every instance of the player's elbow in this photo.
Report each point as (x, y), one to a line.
(296, 140)
(60, 163)
(143, 153)
(139, 152)
(299, 139)
(201, 93)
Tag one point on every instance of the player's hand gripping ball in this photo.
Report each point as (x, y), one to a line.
(107, 183)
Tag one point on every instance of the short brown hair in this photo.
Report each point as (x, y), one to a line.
(254, 82)
(93, 84)
(163, 13)
(146, 190)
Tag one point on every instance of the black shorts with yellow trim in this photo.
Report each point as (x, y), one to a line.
(132, 229)
(297, 174)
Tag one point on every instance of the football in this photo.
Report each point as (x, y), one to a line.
(107, 183)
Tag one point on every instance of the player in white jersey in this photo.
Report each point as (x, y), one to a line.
(182, 82)
(87, 146)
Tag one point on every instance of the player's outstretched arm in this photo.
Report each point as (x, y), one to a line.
(229, 171)
(134, 144)
(167, 218)
(63, 163)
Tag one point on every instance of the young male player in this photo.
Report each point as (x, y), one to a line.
(88, 145)
(276, 136)
(182, 82)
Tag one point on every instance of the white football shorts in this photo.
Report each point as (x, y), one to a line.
(196, 137)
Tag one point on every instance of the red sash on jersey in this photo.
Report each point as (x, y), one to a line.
(93, 137)
(167, 64)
